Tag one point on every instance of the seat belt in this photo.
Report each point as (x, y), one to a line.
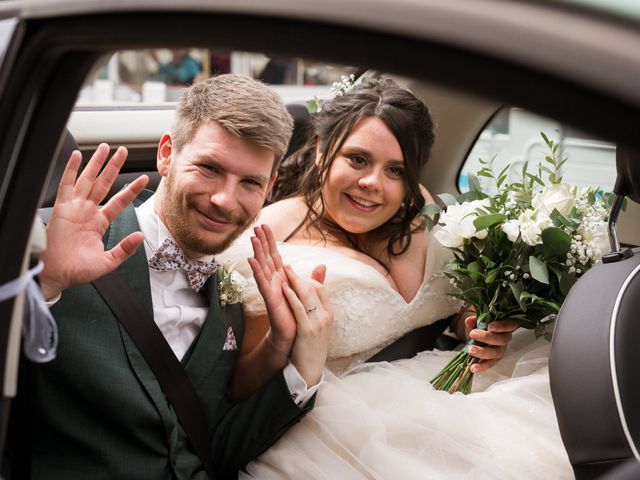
(416, 341)
(170, 374)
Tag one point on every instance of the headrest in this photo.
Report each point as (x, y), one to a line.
(628, 168)
(65, 149)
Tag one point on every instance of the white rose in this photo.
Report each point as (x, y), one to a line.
(597, 236)
(512, 229)
(543, 221)
(529, 229)
(457, 224)
(558, 196)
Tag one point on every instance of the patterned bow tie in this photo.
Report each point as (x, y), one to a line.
(171, 257)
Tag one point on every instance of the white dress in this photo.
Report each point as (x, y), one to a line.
(384, 420)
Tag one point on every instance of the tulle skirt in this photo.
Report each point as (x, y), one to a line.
(385, 421)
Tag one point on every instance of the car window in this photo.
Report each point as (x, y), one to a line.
(158, 76)
(513, 137)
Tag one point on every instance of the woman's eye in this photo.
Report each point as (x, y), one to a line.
(358, 160)
(396, 171)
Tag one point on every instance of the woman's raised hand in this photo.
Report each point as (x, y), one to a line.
(75, 253)
(269, 273)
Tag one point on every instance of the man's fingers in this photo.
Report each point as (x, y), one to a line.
(90, 172)
(68, 180)
(125, 248)
(120, 200)
(319, 273)
(108, 175)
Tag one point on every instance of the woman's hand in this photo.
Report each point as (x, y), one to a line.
(496, 338)
(269, 273)
(314, 318)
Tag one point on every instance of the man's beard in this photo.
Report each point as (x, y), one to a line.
(177, 212)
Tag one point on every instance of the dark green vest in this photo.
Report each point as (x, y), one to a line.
(100, 413)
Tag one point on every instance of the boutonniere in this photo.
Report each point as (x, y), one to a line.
(231, 285)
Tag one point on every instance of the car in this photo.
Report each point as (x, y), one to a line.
(575, 62)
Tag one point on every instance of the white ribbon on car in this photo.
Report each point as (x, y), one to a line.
(39, 329)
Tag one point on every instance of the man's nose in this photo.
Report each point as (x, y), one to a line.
(225, 195)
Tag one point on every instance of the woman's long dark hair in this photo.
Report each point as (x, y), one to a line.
(410, 122)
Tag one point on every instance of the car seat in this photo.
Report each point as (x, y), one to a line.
(593, 354)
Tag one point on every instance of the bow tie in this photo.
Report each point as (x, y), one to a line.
(171, 257)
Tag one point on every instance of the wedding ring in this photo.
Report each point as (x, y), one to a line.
(309, 310)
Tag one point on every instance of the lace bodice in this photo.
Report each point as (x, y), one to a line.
(369, 313)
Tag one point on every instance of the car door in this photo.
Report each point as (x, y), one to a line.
(502, 50)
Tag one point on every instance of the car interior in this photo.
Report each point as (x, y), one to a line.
(462, 107)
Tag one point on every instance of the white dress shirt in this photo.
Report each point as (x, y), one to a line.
(179, 311)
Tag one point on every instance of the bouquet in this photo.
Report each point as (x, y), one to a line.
(517, 252)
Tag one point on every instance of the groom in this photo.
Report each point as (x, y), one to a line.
(98, 410)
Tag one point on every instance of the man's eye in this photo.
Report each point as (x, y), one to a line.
(253, 183)
(208, 168)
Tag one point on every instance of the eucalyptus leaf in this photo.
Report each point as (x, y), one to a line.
(485, 222)
(447, 198)
(516, 288)
(538, 269)
(474, 183)
(474, 271)
(555, 243)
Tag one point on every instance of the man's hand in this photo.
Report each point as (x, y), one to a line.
(497, 337)
(269, 273)
(75, 253)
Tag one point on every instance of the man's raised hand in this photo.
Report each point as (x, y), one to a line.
(75, 253)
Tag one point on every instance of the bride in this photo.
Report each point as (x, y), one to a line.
(358, 215)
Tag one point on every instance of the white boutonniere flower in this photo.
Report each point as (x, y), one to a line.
(231, 285)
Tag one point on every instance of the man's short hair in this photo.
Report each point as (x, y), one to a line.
(243, 106)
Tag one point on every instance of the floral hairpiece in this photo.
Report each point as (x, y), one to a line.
(338, 89)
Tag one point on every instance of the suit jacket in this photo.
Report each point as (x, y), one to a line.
(100, 413)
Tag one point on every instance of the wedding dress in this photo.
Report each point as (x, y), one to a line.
(384, 420)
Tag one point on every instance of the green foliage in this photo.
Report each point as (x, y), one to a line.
(514, 279)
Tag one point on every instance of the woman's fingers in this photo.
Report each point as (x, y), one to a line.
(305, 293)
(491, 338)
(268, 254)
(503, 326)
(483, 366)
(273, 247)
(319, 273)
